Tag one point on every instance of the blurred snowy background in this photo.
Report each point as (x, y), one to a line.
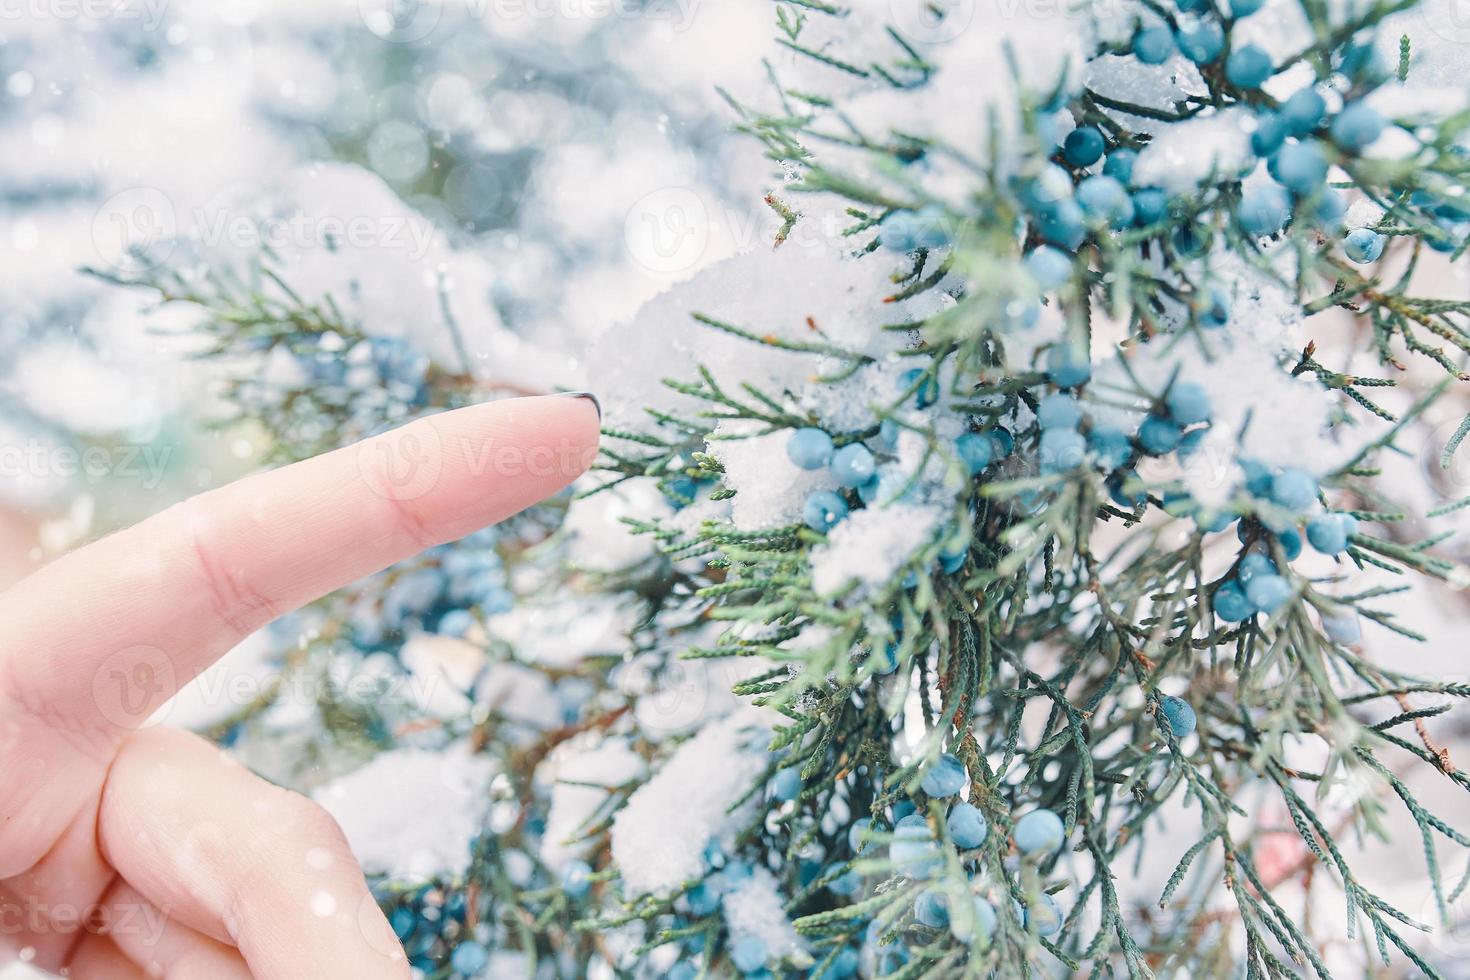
(540, 168)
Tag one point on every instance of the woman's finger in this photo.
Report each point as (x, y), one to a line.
(243, 862)
(159, 944)
(98, 958)
(103, 636)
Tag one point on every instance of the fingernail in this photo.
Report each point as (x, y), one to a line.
(584, 394)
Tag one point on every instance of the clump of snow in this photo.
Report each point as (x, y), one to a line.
(1124, 78)
(1260, 411)
(674, 697)
(770, 489)
(1439, 73)
(848, 405)
(871, 545)
(79, 388)
(339, 231)
(584, 774)
(811, 294)
(1185, 154)
(598, 538)
(1280, 27)
(443, 669)
(983, 52)
(659, 836)
(1213, 470)
(753, 908)
(556, 636)
(1263, 311)
(1258, 407)
(1362, 213)
(1115, 22)
(413, 813)
(520, 695)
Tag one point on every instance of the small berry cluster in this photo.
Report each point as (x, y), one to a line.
(1282, 498)
(367, 381)
(856, 469)
(1298, 138)
(852, 466)
(441, 595)
(749, 953)
(432, 923)
(916, 852)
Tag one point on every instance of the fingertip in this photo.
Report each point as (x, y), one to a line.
(588, 424)
(585, 396)
(568, 423)
(502, 456)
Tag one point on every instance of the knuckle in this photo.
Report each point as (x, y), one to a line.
(303, 819)
(235, 600)
(410, 523)
(398, 485)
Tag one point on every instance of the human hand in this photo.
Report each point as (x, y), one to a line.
(133, 851)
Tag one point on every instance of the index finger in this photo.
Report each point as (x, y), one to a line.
(103, 636)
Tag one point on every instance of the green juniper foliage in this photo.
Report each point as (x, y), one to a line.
(1043, 558)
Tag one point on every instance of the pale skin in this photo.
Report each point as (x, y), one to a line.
(187, 865)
